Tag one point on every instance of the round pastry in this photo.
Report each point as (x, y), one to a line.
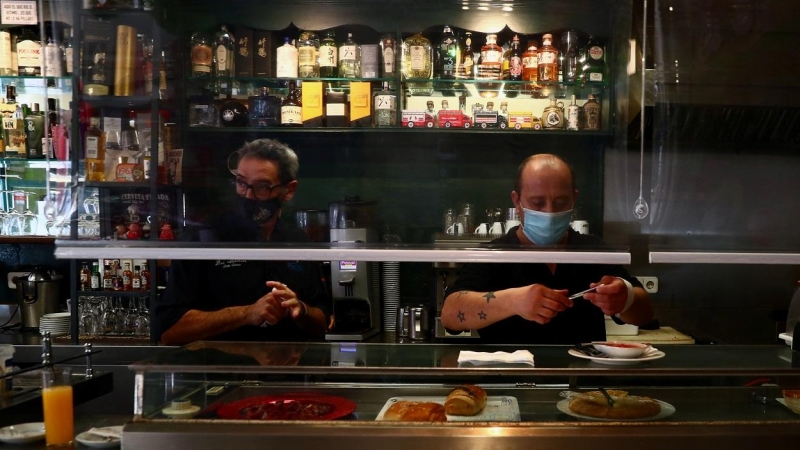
(595, 404)
(465, 400)
(416, 412)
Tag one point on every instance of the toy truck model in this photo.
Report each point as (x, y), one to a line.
(454, 118)
(519, 120)
(486, 119)
(413, 119)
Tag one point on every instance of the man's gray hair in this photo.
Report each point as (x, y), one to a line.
(272, 150)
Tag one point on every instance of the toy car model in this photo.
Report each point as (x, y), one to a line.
(413, 119)
(454, 118)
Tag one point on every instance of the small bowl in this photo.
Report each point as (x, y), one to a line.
(616, 349)
(792, 399)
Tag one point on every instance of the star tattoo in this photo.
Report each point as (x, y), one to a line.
(482, 315)
(461, 317)
(488, 296)
(460, 294)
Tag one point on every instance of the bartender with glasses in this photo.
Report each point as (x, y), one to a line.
(248, 300)
(527, 303)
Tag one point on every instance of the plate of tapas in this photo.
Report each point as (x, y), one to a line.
(299, 406)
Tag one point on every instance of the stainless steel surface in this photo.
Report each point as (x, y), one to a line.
(37, 295)
(698, 257)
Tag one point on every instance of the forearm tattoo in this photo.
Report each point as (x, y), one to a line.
(461, 316)
(460, 294)
(488, 296)
(482, 315)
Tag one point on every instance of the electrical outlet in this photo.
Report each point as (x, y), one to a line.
(11, 275)
(650, 284)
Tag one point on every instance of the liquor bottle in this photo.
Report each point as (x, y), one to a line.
(85, 277)
(233, 113)
(553, 116)
(573, 115)
(116, 276)
(308, 55)
(224, 53)
(292, 109)
(108, 279)
(13, 126)
(568, 57)
(591, 111)
(136, 279)
(594, 66)
(530, 67)
(514, 68)
(55, 142)
(286, 58)
(29, 53)
(467, 65)
(7, 65)
(202, 55)
(34, 133)
(328, 56)
(418, 63)
(145, 278)
(388, 51)
(53, 60)
(163, 86)
(98, 80)
(95, 151)
(349, 58)
(548, 59)
(69, 52)
(127, 276)
(490, 66)
(446, 56)
(385, 114)
(147, 66)
(94, 278)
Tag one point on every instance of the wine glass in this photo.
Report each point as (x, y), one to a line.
(109, 318)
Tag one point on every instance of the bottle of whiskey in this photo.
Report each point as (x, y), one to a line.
(202, 56)
(286, 59)
(514, 68)
(145, 278)
(467, 64)
(94, 278)
(34, 133)
(490, 66)
(418, 63)
(308, 55)
(85, 277)
(530, 67)
(548, 60)
(108, 279)
(292, 109)
(95, 151)
(136, 279)
(594, 66)
(328, 56)
(29, 53)
(591, 111)
(349, 58)
(385, 114)
(127, 278)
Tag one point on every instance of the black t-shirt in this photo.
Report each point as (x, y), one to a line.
(583, 322)
(213, 285)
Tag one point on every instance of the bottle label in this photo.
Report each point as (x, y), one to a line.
(52, 61)
(95, 282)
(573, 113)
(388, 60)
(547, 58)
(491, 56)
(222, 58)
(595, 76)
(291, 114)
(6, 66)
(515, 66)
(29, 57)
(386, 102)
(108, 283)
(68, 52)
(347, 53)
(126, 280)
(596, 52)
(201, 58)
(328, 56)
(418, 57)
(307, 56)
(136, 284)
(92, 147)
(143, 283)
(287, 62)
(469, 64)
(530, 62)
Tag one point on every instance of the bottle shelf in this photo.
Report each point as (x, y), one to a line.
(250, 130)
(277, 81)
(113, 293)
(117, 102)
(35, 77)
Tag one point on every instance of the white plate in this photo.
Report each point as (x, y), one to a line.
(23, 433)
(55, 315)
(180, 413)
(650, 356)
(93, 440)
(501, 408)
(666, 411)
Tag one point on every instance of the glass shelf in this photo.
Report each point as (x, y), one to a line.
(37, 163)
(113, 293)
(282, 80)
(117, 102)
(397, 129)
(33, 77)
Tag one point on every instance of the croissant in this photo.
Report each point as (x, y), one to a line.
(416, 412)
(465, 400)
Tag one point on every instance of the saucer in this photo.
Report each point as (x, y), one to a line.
(23, 433)
(649, 356)
(180, 413)
(97, 441)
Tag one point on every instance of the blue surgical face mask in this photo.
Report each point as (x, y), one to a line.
(545, 228)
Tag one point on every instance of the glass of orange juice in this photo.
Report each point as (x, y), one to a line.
(59, 425)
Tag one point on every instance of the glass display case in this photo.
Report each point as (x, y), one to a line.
(239, 393)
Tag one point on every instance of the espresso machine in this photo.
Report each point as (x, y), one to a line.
(355, 285)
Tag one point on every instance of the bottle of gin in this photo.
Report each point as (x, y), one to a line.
(594, 64)
(349, 58)
(286, 60)
(328, 56)
(308, 55)
(202, 55)
(34, 132)
(418, 64)
(385, 114)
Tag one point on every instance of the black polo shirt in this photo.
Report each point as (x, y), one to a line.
(213, 285)
(583, 322)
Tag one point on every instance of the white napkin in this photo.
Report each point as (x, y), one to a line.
(519, 356)
(106, 432)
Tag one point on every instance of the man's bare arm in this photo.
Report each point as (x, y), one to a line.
(197, 325)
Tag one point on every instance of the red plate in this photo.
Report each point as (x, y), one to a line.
(288, 407)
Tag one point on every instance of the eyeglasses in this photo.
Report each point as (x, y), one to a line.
(261, 190)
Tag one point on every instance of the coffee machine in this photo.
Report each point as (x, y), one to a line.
(355, 285)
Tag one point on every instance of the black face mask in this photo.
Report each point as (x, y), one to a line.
(258, 211)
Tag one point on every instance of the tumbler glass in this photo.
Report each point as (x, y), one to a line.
(59, 424)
